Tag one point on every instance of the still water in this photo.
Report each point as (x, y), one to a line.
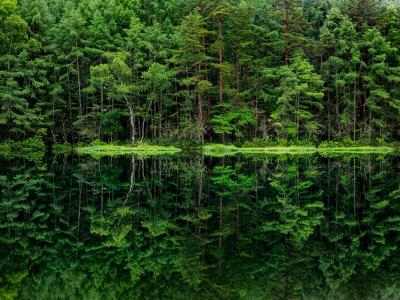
(195, 227)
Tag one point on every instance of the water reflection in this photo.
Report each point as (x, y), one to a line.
(193, 227)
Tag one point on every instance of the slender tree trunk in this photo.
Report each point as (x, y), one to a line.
(69, 96)
(297, 117)
(220, 36)
(200, 105)
(133, 126)
(79, 83)
(101, 97)
(369, 125)
(197, 65)
(286, 33)
(337, 107)
(354, 110)
(238, 75)
(220, 60)
(206, 72)
(245, 78)
(329, 115)
(79, 89)
(362, 93)
(161, 115)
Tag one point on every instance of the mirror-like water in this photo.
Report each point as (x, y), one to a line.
(193, 227)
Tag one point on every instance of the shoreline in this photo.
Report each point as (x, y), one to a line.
(299, 149)
(208, 149)
(223, 150)
(115, 150)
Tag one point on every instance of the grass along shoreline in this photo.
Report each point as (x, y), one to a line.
(144, 149)
(219, 148)
(114, 150)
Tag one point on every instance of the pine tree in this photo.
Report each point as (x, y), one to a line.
(17, 115)
(190, 59)
(377, 76)
(293, 25)
(299, 101)
(341, 68)
(157, 81)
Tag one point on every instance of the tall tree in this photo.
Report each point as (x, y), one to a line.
(17, 115)
(190, 58)
(121, 84)
(299, 101)
(341, 68)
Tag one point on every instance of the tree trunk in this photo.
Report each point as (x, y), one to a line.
(238, 75)
(329, 115)
(101, 97)
(133, 127)
(354, 110)
(206, 72)
(220, 70)
(160, 123)
(286, 33)
(79, 84)
(337, 106)
(197, 65)
(220, 59)
(297, 117)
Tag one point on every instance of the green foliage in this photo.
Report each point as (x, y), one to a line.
(30, 144)
(110, 122)
(98, 148)
(233, 121)
(291, 72)
(298, 103)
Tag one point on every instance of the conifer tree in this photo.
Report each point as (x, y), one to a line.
(299, 101)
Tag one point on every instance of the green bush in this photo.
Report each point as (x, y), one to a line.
(34, 143)
(330, 144)
(259, 142)
(97, 142)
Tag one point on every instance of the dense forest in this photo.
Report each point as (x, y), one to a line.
(200, 70)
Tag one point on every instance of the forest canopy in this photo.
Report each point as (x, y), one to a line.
(200, 70)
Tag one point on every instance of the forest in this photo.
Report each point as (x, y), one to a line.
(223, 71)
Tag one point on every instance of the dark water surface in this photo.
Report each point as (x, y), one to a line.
(194, 227)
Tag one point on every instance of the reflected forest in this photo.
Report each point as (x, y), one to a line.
(196, 227)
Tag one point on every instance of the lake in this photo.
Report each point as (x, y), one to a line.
(189, 226)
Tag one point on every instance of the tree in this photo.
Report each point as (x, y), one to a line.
(121, 83)
(293, 27)
(190, 58)
(17, 115)
(157, 80)
(377, 76)
(299, 101)
(234, 121)
(200, 70)
(341, 72)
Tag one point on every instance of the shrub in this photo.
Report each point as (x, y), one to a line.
(97, 142)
